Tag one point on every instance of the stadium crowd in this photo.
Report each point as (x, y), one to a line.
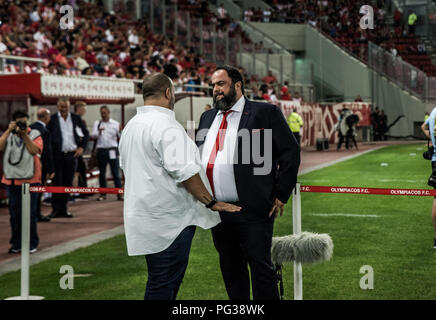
(336, 19)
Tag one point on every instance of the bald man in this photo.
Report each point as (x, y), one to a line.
(43, 116)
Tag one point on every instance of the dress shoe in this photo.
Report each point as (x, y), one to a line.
(56, 214)
(14, 250)
(44, 219)
(66, 215)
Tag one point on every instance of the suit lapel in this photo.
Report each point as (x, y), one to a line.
(245, 115)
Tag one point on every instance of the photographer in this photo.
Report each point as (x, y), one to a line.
(21, 164)
(428, 128)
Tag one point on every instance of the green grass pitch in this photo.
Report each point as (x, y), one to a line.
(392, 234)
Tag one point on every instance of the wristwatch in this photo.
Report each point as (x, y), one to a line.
(212, 203)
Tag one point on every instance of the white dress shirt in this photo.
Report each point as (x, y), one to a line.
(156, 155)
(109, 136)
(223, 174)
(68, 141)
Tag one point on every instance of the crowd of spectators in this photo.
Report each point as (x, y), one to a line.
(100, 44)
(338, 20)
(115, 45)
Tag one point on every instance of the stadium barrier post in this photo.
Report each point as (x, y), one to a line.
(296, 225)
(25, 239)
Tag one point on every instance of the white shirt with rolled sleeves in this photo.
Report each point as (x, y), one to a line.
(156, 155)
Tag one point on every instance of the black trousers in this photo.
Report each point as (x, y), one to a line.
(241, 244)
(65, 166)
(39, 195)
(81, 169)
(297, 137)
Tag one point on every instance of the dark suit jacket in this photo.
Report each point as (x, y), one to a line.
(257, 191)
(47, 152)
(56, 135)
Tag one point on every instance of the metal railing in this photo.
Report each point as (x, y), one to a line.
(4, 58)
(406, 76)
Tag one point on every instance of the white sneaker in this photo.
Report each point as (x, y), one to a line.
(33, 250)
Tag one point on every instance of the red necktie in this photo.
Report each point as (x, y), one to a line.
(219, 145)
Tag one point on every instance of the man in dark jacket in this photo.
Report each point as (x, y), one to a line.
(69, 138)
(235, 126)
(47, 166)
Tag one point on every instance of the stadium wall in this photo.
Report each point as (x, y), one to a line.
(289, 35)
(339, 70)
(285, 67)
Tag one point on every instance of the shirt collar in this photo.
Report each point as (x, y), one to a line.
(60, 116)
(151, 108)
(237, 107)
(39, 121)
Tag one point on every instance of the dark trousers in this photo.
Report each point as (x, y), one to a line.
(103, 160)
(65, 166)
(341, 140)
(297, 136)
(241, 244)
(167, 268)
(39, 196)
(81, 169)
(14, 197)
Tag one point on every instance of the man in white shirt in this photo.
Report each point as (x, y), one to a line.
(166, 191)
(107, 132)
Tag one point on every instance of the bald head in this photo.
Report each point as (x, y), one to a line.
(43, 115)
(158, 89)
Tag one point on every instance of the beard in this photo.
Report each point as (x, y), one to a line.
(227, 101)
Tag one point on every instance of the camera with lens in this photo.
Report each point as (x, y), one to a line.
(22, 125)
(429, 153)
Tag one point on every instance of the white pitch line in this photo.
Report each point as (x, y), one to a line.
(344, 215)
(400, 180)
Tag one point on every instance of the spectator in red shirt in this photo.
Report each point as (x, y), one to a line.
(90, 56)
(285, 93)
(270, 78)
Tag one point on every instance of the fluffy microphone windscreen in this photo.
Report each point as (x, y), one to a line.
(305, 247)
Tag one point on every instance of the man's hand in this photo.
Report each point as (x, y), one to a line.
(278, 206)
(12, 126)
(224, 206)
(21, 133)
(79, 152)
(50, 176)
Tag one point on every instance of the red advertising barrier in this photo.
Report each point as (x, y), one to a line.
(319, 189)
(358, 190)
(76, 190)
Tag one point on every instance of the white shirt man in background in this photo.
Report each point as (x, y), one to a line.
(107, 132)
(167, 193)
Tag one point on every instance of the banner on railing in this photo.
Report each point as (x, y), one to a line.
(320, 119)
